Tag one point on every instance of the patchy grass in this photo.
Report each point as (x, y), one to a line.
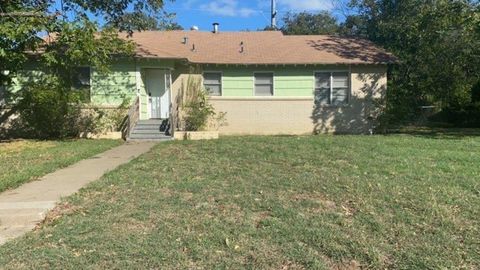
(25, 160)
(324, 202)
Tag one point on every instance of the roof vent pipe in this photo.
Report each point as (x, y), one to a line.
(215, 28)
(185, 40)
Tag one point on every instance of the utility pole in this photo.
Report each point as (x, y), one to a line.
(274, 15)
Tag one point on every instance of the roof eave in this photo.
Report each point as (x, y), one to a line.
(294, 64)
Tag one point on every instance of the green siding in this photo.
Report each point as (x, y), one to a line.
(112, 88)
(237, 83)
(122, 81)
(23, 77)
(106, 89)
(155, 63)
(288, 81)
(294, 82)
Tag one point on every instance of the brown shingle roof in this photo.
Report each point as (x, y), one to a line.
(263, 47)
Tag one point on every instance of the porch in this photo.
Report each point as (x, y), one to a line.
(149, 116)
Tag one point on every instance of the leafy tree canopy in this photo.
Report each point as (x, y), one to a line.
(74, 39)
(438, 43)
(304, 23)
(80, 40)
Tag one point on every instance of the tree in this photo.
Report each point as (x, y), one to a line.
(304, 23)
(173, 26)
(19, 33)
(75, 39)
(437, 43)
(144, 22)
(354, 25)
(23, 21)
(125, 15)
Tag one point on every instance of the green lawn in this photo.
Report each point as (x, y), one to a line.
(396, 202)
(23, 161)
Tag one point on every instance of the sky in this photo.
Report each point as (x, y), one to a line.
(237, 15)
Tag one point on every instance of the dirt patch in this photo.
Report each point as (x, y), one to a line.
(315, 197)
(349, 208)
(316, 202)
(258, 217)
(348, 265)
(289, 265)
(60, 210)
(133, 226)
(166, 192)
(187, 196)
(20, 145)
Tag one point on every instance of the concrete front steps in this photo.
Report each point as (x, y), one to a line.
(148, 130)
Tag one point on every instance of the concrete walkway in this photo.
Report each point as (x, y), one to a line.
(23, 208)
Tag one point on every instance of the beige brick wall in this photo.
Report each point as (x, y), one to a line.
(299, 115)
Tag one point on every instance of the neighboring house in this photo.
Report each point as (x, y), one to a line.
(266, 82)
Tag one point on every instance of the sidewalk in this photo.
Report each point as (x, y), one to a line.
(23, 208)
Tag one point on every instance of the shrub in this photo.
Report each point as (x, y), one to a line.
(103, 120)
(465, 116)
(48, 111)
(196, 111)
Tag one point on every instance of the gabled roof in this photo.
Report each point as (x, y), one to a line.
(262, 47)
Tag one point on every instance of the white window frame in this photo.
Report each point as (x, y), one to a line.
(331, 71)
(273, 83)
(221, 81)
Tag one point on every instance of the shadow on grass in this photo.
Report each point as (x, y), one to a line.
(436, 132)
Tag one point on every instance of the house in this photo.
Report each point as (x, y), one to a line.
(265, 82)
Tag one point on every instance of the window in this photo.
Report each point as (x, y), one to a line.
(263, 84)
(213, 83)
(81, 77)
(81, 82)
(331, 88)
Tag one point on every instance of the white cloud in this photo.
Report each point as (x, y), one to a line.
(188, 4)
(306, 5)
(227, 8)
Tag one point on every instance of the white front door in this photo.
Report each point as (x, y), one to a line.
(158, 91)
